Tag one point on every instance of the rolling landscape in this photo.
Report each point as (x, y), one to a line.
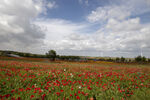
(45, 79)
(74, 50)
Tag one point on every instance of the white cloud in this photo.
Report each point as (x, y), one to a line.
(59, 31)
(122, 41)
(125, 25)
(148, 1)
(123, 35)
(80, 1)
(121, 11)
(57, 28)
(102, 14)
(16, 27)
(86, 2)
(116, 38)
(51, 5)
(22, 30)
(119, 32)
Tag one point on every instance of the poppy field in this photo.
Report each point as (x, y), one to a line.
(20, 80)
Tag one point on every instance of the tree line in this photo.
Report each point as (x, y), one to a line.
(52, 55)
(139, 59)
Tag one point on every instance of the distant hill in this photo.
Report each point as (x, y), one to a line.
(17, 54)
(20, 54)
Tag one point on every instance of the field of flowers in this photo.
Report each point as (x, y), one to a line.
(20, 80)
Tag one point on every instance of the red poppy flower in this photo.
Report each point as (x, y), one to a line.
(58, 93)
(70, 95)
(31, 96)
(77, 97)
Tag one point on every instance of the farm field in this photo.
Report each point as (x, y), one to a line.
(44, 80)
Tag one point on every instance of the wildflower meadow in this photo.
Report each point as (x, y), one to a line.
(24, 80)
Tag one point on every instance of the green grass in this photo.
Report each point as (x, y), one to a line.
(73, 80)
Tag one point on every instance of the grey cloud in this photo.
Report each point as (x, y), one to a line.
(118, 37)
(16, 25)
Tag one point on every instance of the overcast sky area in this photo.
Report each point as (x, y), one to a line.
(76, 27)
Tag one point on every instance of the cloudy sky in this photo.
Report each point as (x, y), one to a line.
(76, 27)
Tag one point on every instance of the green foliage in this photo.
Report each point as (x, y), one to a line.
(51, 54)
(140, 59)
(21, 54)
(110, 59)
(129, 60)
(117, 59)
(149, 60)
(144, 59)
(122, 59)
(70, 58)
(39, 81)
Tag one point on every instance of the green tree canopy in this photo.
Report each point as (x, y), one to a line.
(51, 54)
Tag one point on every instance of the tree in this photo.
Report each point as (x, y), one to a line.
(122, 59)
(129, 60)
(143, 59)
(148, 59)
(117, 59)
(51, 54)
(140, 59)
(27, 54)
(110, 59)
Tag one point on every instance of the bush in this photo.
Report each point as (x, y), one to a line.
(149, 60)
(140, 59)
(117, 59)
(143, 59)
(122, 59)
